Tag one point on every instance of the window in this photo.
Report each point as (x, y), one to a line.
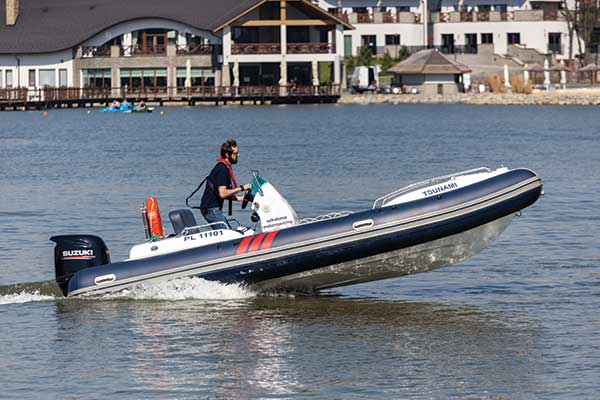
(97, 78)
(471, 43)
(63, 78)
(392, 40)
(144, 78)
(500, 7)
(1, 79)
(487, 38)
(448, 43)
(47, 77)
(513, 38)
(198, 77)
(32, 77)
(347, 45)
(9, 78)
(554, 45)
(403, 8)
(370, 41)
(484, 8)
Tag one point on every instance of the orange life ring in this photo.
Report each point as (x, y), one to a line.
(154, 220)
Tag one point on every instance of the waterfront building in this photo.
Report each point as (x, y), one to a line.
(142, 47)
(472, 31)
(430, 72)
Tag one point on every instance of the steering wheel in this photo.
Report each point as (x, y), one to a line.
(247, 198)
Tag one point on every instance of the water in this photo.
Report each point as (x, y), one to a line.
(520, 320)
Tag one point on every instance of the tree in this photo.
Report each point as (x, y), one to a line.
(582, 18)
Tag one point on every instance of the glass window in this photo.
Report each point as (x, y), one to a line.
(370, 41)
(198, 77)
(513, 38)
(47, 77)
(63, 78)
(96, 77)
(347, 45)
(1, 79)
(487, 38)
(9, 78)
(392, 39)
(500, 7)
(32, 77)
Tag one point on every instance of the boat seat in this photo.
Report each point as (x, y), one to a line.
(181, 219)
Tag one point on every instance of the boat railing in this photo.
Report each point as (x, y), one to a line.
(324, 217)
(383, 200)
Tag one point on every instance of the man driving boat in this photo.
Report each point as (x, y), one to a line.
(221, 185)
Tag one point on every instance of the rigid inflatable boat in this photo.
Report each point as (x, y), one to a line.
(419, 228)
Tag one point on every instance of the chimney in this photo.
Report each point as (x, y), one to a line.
(12, 11)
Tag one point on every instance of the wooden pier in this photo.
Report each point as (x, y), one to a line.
(68, 97)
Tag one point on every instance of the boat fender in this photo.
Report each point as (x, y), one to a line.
(154, 220)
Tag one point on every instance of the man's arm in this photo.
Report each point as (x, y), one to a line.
(225, 193)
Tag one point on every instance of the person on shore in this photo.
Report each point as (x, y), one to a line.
(221, 185)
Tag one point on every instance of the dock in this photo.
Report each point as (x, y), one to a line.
(70, 97)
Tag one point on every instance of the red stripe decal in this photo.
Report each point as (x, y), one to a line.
(268, 240)
(256, 242)
(243, 245)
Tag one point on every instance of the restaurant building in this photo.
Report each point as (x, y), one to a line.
(153, 46)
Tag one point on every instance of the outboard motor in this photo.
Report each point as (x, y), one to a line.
(73, 253)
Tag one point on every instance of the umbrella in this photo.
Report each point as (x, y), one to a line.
(506, 77)
(546, 74)
(315, 73)
(188, 73)
(525, 75)
(535, 67)
(592, 69)
(563, 75)
(236, 73)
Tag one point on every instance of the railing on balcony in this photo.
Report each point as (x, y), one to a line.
(138, 50)
(550, 15)
(95, 51)
(363, 18)
(482, 16)
(195, 49)
(256, 48)
(310, 48)
(388, 17)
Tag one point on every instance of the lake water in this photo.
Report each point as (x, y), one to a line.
(520, 320)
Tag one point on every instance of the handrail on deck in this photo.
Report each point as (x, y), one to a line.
(383, 200)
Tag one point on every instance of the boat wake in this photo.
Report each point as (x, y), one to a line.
(182, 289)
(177, 289)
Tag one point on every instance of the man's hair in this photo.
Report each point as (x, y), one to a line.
(227, 147)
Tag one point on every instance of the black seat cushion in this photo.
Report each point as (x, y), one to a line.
(181, 219)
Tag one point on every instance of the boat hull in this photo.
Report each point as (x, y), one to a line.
(303, 257)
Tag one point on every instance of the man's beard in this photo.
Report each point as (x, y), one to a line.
(232, 160)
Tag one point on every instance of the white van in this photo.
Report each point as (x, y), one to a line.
(364, 78)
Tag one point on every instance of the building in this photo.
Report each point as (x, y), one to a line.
(430, 72)
(466, 28)
(168, 48)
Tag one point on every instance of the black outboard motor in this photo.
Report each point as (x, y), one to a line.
(74, 253)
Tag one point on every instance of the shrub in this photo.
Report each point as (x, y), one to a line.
(495, 84)
(520, 86)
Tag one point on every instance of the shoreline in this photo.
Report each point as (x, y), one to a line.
(580, 97)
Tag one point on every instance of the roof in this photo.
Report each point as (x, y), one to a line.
(429, 62)
(45, 26)
(589, 68)
(535, 67)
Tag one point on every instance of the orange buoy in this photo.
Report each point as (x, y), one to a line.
(154, 220)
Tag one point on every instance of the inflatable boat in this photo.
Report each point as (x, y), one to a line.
(419, 228)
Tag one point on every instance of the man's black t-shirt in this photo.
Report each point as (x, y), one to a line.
(219, 176)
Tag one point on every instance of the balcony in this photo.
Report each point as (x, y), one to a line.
(95, 51)
(311, 48)
(402, 17)
(256, 48)
(195, 49)
(138, 50)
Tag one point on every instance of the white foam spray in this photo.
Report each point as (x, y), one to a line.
(183, 289)
(24, 297)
